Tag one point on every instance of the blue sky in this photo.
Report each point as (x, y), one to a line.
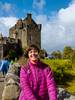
(19, 8)
(56, 16)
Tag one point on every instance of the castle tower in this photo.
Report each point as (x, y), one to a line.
(27, 31)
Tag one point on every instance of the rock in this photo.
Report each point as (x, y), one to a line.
(64, 95)
(72, 97)
(11, 88)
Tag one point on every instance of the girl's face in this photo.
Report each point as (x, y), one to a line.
(33, 55)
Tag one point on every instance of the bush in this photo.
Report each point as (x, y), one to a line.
(60, 68)
(12, 54)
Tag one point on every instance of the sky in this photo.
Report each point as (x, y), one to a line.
(56, 16)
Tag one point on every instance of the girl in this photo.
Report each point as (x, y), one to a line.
(36, 78)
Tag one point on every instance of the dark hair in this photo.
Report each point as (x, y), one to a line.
(32, 46)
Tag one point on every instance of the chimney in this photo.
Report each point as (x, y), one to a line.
(29, 16)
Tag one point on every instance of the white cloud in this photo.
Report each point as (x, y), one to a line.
(72, 2)
(56, 33)
(6, 23)
(67, 15)
(39, 4)
(6, 6)
(59, 31)
(7, 9)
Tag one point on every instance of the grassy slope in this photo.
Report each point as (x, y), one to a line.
(69, 70)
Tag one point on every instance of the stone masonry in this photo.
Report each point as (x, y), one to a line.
(22, 34)
(27, 31)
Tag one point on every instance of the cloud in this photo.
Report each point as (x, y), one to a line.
(67, 15)
(39, 4)
(6, 23)
(7, 9)
(6, 6)
(58, 31)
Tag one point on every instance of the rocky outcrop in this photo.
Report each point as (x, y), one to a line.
(64, 95)
(11, 87)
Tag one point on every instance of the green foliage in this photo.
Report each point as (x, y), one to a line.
(67, 53)
(73, 56)
(57, 54)
(43, 53)
(64, 72)
(12, 54)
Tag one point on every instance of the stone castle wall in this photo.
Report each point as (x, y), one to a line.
(27, 31)
(23, 33)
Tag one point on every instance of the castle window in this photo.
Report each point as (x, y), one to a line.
(14, 35)
(31, 38)
(29, 26)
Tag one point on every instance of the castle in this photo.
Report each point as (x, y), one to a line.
(22, 34)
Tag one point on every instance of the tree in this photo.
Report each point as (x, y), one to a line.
(67, 53)
(73, 56)
(12, 54)
(43, 53)
(56, 54)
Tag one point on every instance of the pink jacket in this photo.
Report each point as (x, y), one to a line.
(37, 82)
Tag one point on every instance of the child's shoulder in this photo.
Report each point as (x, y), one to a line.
(44, 65)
